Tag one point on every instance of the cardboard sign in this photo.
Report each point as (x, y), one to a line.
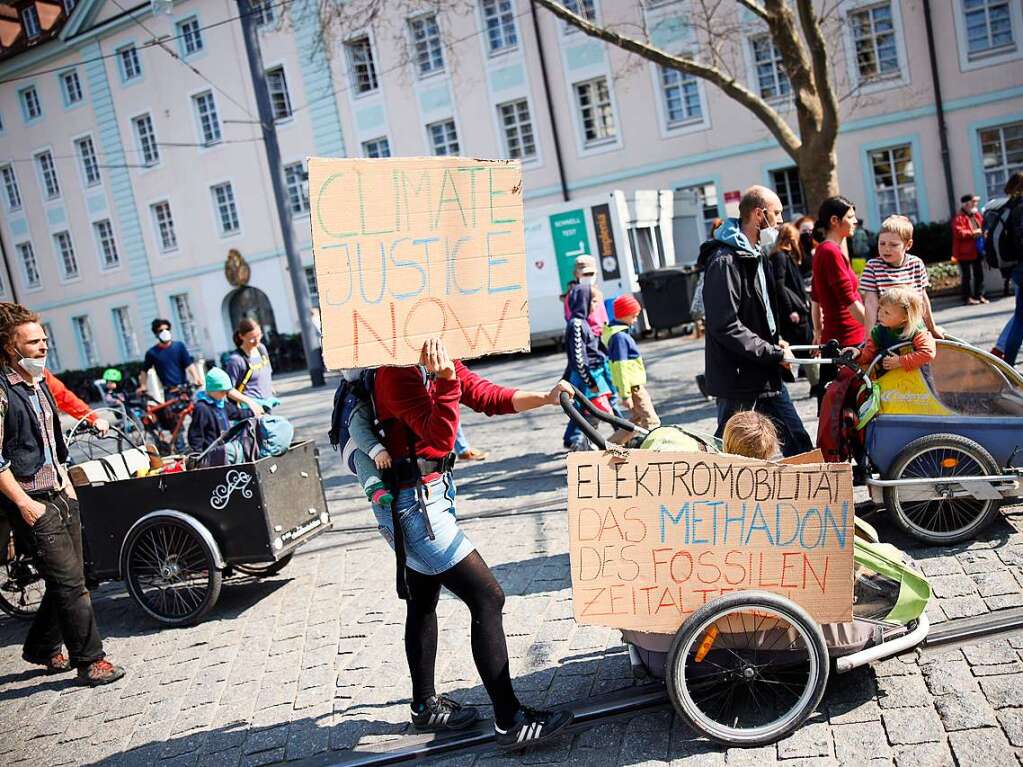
(656, 536)
(408, 248)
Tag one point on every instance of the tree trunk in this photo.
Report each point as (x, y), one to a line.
(818, 172)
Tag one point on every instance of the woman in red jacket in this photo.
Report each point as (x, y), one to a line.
(418, 411)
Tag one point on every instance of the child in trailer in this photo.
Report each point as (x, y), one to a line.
(368, 457)
(752, 435)
(211, 417)
(900, 315)
(628, 373)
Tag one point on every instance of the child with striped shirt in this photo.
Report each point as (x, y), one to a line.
(895, 267)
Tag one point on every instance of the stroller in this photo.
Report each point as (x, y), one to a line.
(937, 444)
(748, 667)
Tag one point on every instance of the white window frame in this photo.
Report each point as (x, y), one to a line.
(125, 329)
(688, 126)
(217, 136)
(217, 216)
(366, 146)
(506, 47)
(782, 98)
(569, 29)
(897, 187)
(517, 127)
(62, 255)
(101, 244)
(265, 12)
(1008, 169)
(29, 284)
(140, 140)
(433, 145)
(11, 183)
(187, 324)
(52, 352)
(311, 285)
(44, 184)
(587, 146)
(35, 102)
(66, 92)
(186, 27)
(123, 54)
(299, 192)
(414, 44)
(86, 340)
(164, 244)
(30, 22)
(285, 91)
(83, 170)
(790, 211)
(992, 58)
(351, 45)
(882, 82)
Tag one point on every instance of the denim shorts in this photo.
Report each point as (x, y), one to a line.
(449, 545)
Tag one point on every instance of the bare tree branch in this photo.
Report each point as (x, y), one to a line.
(821, 72)
(786, 137)
(754, 8)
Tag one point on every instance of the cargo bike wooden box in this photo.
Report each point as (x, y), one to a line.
(173, 538)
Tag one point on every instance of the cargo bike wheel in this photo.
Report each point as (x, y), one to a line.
(171, 570)
(948, 518)
(747, 668)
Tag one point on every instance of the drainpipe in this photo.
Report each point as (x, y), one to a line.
(550, 105)
(939, 107)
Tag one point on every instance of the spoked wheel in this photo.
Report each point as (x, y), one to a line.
(747, 668)
(85, 444)
(21, 585)
(946, 514)
(171, 571)
(265, 571)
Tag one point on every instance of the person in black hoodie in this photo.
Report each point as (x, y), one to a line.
(792, 311)
(744, 355)
(211, 417)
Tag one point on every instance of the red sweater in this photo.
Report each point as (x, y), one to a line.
(835, 287)
(964, 244)
(431, 411)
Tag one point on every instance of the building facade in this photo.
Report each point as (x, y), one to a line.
(131, 163)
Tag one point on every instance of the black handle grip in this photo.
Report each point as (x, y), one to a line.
(568, 405)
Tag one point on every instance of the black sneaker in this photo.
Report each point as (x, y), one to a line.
(440, 713)
(532, 727)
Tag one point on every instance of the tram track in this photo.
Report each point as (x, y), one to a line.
(641, 699)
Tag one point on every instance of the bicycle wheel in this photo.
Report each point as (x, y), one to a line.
(747, 668)
(21, 585)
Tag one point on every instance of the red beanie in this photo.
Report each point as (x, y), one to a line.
(625, 306)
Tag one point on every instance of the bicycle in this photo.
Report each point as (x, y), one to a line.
(164, 422)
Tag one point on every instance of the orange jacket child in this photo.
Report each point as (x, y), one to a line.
(882, 339)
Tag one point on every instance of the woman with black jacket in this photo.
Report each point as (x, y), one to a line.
(792, 311)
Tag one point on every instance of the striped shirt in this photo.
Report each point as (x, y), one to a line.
(51, 475)
(879, 276)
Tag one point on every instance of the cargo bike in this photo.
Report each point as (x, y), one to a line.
(938, 445)
(748, 667)
(174, 536)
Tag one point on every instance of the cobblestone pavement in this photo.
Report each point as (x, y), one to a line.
(310, 662)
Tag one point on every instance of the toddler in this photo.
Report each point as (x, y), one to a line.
(370, 457)
(899, 318)
(751, 435)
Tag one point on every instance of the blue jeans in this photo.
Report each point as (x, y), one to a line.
(1012, 334)
(461, 443)
(779, 408)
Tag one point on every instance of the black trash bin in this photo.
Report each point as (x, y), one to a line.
(668, 295)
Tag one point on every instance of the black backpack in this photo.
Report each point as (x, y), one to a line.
(999, 249)
(348, 395)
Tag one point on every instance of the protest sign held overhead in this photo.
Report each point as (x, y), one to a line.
(657, 535)
(408, 248)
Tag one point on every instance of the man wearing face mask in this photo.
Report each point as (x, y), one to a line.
(40, 504)
(174, 364)
(744, 355)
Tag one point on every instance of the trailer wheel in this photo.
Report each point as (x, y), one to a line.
(171, 572)
(948, 519)
(747, 668)
(265, 571)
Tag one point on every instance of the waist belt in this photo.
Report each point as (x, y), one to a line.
(407, 473)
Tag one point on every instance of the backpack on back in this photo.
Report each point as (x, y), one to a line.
(999, 251)
(349, 395)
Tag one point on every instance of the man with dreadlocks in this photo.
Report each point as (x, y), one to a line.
(40, 503)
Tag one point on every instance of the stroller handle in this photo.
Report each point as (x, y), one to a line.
(572, 411)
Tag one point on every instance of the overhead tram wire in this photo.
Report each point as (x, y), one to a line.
(143, 46)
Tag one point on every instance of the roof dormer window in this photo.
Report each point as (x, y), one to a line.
(30, 21)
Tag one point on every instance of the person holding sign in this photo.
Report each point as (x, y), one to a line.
(418, 410)
(744, 355)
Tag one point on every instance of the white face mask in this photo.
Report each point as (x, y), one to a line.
(768, 237)
(164, 336)
(34, 366)
(587, 280)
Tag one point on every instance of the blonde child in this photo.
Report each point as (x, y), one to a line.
(900, 314)
(895, 267)
(752, 435)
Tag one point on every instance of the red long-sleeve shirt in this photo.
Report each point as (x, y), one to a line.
(431, 412)
(66, 400)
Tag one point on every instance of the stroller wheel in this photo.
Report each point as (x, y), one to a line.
(746, 669)
(933, 516)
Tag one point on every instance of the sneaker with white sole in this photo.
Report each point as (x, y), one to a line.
(531, 727)
(440, 713)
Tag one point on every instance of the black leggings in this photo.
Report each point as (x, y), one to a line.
(472, 582)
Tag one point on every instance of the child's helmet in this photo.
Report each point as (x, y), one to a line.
(112, 375)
